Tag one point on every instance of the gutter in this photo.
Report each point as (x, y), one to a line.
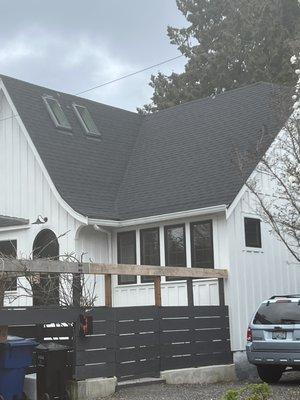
(13, 228)
(158, 218)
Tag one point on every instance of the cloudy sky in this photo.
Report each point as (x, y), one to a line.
(71, 46)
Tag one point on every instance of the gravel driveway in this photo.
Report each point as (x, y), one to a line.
(287, 389)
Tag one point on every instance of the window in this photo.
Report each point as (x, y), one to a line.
(252, 232)
(126, 254)
(150, 254)
(8, 248)
(175, 247)
(282, 312)
(56, 113)
(202, 244)
(86, 120)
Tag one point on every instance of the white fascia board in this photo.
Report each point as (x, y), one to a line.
(58, 197)
(159, 218)
(235, 202)
(14, 228)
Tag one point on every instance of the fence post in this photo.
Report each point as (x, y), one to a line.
(108, 291)
(157, 290)
(190, 292)
(221, 292)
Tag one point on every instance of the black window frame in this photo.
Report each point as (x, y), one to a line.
(168, 279)
(248, 241)
(132, 277)
(148, 279)
(193, 261)
(11, 284)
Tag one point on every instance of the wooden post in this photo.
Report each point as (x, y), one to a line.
(108, 291)
(157, 290)
(190, 292)
(221, 292)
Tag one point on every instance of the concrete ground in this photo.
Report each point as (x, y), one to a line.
(287, 389)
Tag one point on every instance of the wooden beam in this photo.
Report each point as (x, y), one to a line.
(190, 291)
(108, 291)
(22, 266)
(157, 291)
(221, 292)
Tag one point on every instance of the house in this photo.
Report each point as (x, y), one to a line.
(163, 189)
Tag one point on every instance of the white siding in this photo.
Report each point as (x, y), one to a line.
(25, 192)
(93, 246)
(255, 274)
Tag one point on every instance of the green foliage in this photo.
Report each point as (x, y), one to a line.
(260, 391)
(227, 44)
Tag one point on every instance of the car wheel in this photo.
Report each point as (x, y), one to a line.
(270, 373)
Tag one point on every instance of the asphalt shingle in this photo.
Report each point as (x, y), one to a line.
(175, 160)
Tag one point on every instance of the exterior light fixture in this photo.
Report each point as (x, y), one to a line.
(40, 220)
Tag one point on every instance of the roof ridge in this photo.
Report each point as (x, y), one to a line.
(68, 94)
(213, 97)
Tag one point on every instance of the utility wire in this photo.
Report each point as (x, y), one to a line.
(4, 119)
(127, 76)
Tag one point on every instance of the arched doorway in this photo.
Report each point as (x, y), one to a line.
(46, 287)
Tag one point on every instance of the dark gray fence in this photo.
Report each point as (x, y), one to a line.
(137, 342)
(130, 342)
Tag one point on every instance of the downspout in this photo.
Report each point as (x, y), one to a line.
(108, 233)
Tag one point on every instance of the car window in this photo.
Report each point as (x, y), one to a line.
(281, 313)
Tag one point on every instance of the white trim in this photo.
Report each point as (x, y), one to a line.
(14, 228)
(159, 218)
(58, 197)
(235, 202)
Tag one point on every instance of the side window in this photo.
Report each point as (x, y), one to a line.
(8, 248)
(175, 251)
(126, 254)
(252, 232)
(150, 252)
(202, 244)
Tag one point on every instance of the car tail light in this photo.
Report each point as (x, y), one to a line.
(249, 335)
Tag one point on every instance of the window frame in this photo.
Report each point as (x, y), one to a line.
(53, 116)
(147, 279)
(166, 227)
(14, 243)
(83, 124)
(210, 222)
(134, 278)
(247, 246)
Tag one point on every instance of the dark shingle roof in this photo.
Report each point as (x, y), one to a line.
(6, 221)
(175, 160)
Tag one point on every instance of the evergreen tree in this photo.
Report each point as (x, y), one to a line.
(228, 43)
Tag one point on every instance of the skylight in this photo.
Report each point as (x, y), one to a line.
(86, 120)
(56, 113)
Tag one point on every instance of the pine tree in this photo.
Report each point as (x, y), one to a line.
(228, 43)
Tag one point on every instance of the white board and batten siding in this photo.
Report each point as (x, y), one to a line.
(25, 191)
(255, 274)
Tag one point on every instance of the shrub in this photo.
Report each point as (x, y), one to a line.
(259, 391)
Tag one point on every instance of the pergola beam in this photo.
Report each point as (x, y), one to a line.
(64, 267)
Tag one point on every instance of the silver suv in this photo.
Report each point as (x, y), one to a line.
(273, 337)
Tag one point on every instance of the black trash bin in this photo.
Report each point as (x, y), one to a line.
(53, 371)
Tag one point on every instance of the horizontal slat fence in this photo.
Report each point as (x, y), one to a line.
(41, 324)
(136, 342)
(130, 342)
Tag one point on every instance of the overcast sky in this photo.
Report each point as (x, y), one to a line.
(71, 46)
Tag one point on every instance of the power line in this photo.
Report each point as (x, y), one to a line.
(127, 76)
(12, 116)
